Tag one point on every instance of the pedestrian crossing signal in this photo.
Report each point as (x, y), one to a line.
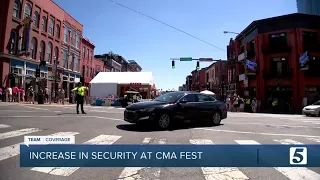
(38, 72)
(198, 65)
(173, 66)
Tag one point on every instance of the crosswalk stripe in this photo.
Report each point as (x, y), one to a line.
(219, 173)
(19, 132)
(130, 173)
(297, 173)
(13, 150)
(4, 126)
(65, 171)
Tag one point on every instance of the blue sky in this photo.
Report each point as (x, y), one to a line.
(151, 44)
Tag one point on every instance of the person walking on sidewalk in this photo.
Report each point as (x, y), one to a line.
(80, 92)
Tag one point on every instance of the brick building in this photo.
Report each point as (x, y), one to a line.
(98, 65)
(87, 58)
(216, 78)
(34, 31)
(198, 80)
(189, 83)
(276, 44)
(117, 63)
(232, 83)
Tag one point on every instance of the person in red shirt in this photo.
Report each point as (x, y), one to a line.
(15, 91)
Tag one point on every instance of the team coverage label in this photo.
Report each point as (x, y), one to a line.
(85, 155)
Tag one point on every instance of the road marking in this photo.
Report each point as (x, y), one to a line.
(19, 132)
(296, 173)
(4, 126)
(146, 173)
(18, 111)
(63, 171)
(219, 173)
(256, 133)
(37, 108)
(279, 125)
(14, 150)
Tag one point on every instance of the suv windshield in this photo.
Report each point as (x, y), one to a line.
(170, 97)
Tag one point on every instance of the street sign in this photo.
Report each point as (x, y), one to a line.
(186, 59)
(206, 59)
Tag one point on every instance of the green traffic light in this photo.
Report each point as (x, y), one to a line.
(173, 67)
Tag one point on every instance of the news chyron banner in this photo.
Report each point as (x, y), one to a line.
(52, 151)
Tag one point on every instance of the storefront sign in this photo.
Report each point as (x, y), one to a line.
(251, 65)
(135, 84)
(304, 58)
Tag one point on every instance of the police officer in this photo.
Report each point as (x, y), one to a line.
(80, 91)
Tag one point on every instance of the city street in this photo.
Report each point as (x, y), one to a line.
(105, 125)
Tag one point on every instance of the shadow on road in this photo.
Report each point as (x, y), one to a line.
(149, 127)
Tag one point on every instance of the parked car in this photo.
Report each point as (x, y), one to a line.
(312, 110)
(175, 107)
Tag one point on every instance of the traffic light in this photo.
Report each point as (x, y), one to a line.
(38, 72)
(198, 65)
(173, 66)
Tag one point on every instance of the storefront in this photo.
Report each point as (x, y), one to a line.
(312, 94)
(17, 73)
(282, 94)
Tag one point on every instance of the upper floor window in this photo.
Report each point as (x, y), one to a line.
(41, 52)
(49, 51)
(57, 31)
(278, 39)
(64, 58)
(279, 65)
(55, 55)
(84, 52)
(66, 34)
(13, 42)
(78, 41)
(16, 9)
(51, 25)
(36, 19)
(310, 37)
(44, 24)
(33, 48)
(27, 11)
(88, 54)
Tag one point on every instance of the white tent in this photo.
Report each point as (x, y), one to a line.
(207, 93)
(105, 83)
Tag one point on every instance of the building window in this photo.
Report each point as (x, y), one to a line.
(279, 39)
(78, 41)
(71, 62)
(51, 25)
(16, 9)
(44, 24)
(13, 42)
(66, 34)
(64, 58)
(56, 56)
(41, 52)
(279, 65)
(49, 52)
(36, 19)
(57, 31)
(30, 72)
(27, 11)
(310, 40)
(88, 54)
(84, 52)
(34, 48)
(76, 63)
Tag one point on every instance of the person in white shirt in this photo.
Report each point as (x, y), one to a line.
(9, 94)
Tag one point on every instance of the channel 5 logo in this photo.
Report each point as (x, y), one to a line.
(298, 155)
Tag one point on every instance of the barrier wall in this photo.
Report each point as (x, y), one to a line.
(94, 101)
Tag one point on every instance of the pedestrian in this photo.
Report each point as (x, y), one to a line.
(46, 94)
(9, 94)
(254, 105)
(80, 93)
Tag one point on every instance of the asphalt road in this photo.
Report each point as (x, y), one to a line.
(17, 121)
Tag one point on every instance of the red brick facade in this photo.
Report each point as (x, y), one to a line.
(49, 40)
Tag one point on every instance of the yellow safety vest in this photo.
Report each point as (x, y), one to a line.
(80, 90)
(247, 101)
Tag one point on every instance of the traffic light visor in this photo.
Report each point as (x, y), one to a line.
(173, 66)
